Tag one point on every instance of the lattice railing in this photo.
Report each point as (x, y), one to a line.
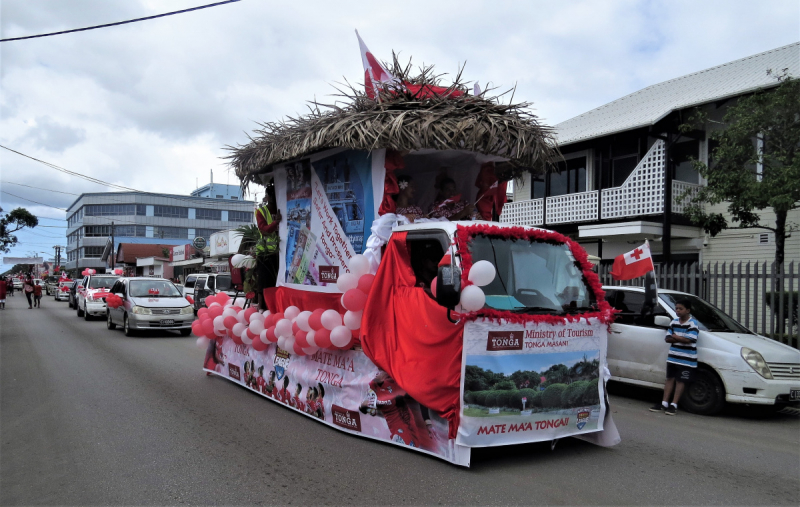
(570, 208)
(528, 212)
(643, 191)
(678, 188)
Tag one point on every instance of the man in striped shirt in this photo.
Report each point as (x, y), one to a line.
(682, 357)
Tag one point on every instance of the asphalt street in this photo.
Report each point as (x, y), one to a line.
(88, 416)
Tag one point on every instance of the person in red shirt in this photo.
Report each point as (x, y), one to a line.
(2, 293)
(37, 295)
(297, 401)
(319, 393)
(311, 402)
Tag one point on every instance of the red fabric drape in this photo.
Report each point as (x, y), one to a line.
(407, 334)
(394, 161)
(279, 299)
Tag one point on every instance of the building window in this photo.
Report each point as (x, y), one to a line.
(170, 212)
(205, 233)
(683, 155)
(570, 179)
(97, 231)
(235, 198)
(220, 196)
(141, 210)
(75, 218)
(623, 159)
(111, 210)
(208, 214)
(130, 231)
(171, 232)
(92, 252)
(240, 216)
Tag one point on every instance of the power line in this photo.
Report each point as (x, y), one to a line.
(120, 22)
(38, 188)
(31, 200)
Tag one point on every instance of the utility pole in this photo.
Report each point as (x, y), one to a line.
(113, 254)
(58, 256)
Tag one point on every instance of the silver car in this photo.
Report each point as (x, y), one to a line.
(149, 304)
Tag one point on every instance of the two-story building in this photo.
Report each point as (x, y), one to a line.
(626, 162)
(144, 218)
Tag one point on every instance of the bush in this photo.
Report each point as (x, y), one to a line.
(551, 398)
(591, 394)
(505, 385)
(536, 401)
(491, 399)
(573, 394)
(516, 400)
(504, 399)
(480, 398)
(469, 397)
(527, 393)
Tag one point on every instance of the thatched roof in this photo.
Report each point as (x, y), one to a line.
(401, 120)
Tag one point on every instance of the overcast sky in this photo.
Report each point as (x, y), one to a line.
(151, 105)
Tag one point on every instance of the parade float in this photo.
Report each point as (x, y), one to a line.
(431, 334)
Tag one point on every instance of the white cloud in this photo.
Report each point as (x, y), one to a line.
(151, 105)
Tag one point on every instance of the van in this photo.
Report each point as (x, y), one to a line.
(207, 284)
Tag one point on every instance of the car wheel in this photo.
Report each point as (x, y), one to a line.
(110, 325)
(78, 309)
(126, 327)
(86, 315)
(185, 332)
(705, 394)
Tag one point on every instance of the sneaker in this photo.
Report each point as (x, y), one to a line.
(671, 410)
(658, 407)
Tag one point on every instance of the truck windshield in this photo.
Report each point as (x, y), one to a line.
(532, 276)
(154, 288)
(223, 282)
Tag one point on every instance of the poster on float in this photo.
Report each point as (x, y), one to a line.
(342, 389)
(329, 212)
(533, 382)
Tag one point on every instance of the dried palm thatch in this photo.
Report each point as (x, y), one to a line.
(401, 119)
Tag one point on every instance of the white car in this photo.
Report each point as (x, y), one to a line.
(86, 303)
(734, 364)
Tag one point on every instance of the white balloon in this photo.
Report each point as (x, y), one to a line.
(310, 338)
(263, 337)
(482, 273)
(246, 339)
(341, 336)
(256, 316)
(238, 329)
(202, 342)
(256, 326)
(302, 321)
(218, 324)
(331, 319)
(352, 320)
(358, 265)
(229, 312)
(346, 282)
(241, 318)
(292, 312)
(289, 342)
(283, 328)
(472, 298)
(282, 342)
(236, 259)
(310, 351)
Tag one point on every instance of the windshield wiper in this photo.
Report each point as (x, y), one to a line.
(579, 309)
(535, 309)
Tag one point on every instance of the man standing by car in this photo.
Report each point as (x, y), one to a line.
(682, 357)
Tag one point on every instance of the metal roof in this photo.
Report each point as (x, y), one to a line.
(649, 105)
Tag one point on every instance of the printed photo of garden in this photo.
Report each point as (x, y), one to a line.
(527, 384)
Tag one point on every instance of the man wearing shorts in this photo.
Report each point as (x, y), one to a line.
(682, 357)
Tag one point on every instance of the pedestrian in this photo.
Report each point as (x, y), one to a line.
(10, 285)
(3, 285)
(37, 295)
(682, 357)
(27, 288)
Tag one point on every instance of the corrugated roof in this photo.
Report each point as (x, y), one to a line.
(649, 105)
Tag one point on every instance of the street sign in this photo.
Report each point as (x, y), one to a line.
(199, 242)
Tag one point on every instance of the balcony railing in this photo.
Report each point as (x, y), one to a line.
(642, 193)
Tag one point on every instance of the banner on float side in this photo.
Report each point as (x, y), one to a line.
(342, 389)
(534, 382)
(329, 212)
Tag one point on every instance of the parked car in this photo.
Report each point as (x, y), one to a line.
(208, 284)
(51, 285)
(17, 284)
(734, 364)
(73, 293)
(147, 304)
(61, 294)
(91, 293)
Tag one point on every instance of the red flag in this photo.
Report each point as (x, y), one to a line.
(374, 73)
(633, 264)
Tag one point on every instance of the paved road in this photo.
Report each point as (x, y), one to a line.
(88, 416)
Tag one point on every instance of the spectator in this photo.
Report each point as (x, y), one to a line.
(682, 357)
(27, 288)
(3, 293)
(37, 295)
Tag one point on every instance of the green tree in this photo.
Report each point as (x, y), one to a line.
(756, 164)
(505, 385)
(12, 222)
(551, 397)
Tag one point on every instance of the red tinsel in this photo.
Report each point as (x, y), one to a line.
(465, 233)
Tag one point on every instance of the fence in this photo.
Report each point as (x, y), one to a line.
(759, 296)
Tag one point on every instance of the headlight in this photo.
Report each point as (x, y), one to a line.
(756, 361)
(141, 310)
(187, 310)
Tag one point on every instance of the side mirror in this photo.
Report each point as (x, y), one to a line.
(662, 321)
(448, 286)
